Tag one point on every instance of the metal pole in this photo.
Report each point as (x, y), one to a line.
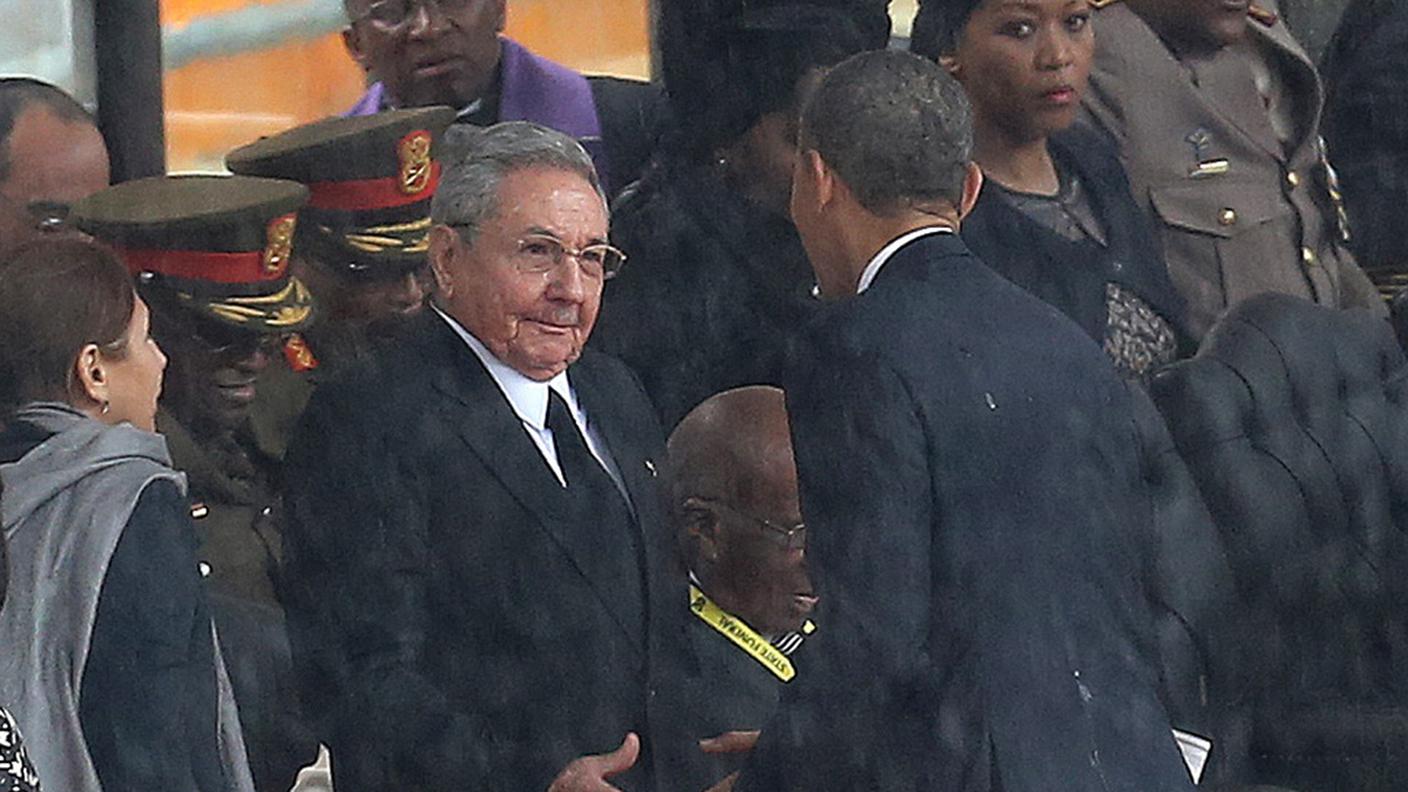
(130, 107)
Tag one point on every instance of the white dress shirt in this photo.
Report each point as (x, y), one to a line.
(867, 275)
(529, 400)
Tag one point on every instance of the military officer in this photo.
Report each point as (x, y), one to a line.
(1216, 109)
(360, 242)
(211, 259)
(734, 506)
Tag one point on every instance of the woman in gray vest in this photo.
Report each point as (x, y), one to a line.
(109, 662)
(16, 771)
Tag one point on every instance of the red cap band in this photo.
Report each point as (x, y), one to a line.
(203, 265)
(368, 194)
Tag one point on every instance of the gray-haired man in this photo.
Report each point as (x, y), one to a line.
(475, 524)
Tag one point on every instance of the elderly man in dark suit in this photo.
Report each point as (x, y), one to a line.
(477, 542)
(968, 478)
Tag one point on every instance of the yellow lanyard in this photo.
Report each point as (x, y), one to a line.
(741, 634)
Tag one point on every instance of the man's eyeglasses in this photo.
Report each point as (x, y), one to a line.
(392, 15)
(44, 216)
(220, 340)
(540, 254)
(791, 538)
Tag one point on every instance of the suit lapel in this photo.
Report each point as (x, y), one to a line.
(483, 419)
(629, 441)
(1225, 84)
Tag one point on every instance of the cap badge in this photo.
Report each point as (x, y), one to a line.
(280, 244)
(414, 151)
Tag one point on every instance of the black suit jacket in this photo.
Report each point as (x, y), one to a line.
(968, 473)
(450, 627)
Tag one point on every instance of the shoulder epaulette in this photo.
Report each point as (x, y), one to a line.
(298, 355)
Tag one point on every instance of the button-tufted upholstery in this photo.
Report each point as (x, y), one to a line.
(1293, 421)
(1189, 582)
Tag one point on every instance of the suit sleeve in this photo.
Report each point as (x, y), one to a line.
(148, 702)
(863, 464)
(357, 556)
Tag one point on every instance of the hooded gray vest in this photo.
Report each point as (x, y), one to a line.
(64, 508)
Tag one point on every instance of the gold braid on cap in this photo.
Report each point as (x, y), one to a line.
(398, 238)
(288, 307)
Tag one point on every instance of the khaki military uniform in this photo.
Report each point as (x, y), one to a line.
(235, 506)
(1224, 154)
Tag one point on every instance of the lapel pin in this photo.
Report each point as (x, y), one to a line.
(650, 466)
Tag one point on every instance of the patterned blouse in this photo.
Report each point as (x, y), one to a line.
(16, 771)
(1137, 339)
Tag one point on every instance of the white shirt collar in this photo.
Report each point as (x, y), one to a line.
(527, 397)
(867, 275)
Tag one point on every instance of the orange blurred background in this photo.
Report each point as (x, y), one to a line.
(216, 104)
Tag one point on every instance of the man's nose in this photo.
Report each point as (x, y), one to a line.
(427, 18)
(568, 281)
(412, 290)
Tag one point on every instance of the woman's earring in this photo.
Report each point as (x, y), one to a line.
(107, 405)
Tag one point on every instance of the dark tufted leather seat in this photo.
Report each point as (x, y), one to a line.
(1293, 421)
(1189, 582)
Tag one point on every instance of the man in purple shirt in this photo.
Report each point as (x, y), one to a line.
(451, 52)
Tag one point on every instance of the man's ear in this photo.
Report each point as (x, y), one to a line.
(972, 186)
(352, 40)
(89, 376)
(444, 241)
(701, 528)
(821, 179)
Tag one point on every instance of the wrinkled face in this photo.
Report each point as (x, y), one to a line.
(536, 322)
(53, 163)
(214, 370)
(1196, 25)
(1024, 65)
(135, 374)
(443, 53)
(768, 581)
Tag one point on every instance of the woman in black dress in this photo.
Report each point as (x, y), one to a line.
(716, 283)
(1056, 215)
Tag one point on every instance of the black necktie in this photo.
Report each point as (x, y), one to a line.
(599, 507)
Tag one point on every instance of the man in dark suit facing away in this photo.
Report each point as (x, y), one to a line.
(477, 545)
(968, 479)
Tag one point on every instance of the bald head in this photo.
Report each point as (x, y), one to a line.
(735, 446)
(733, 488)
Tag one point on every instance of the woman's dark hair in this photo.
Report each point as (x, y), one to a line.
(725, 68)
(56, 297)
(938, 25)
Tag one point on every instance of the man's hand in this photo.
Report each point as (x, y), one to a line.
(733, 742)
(589, 773)
(730, 742)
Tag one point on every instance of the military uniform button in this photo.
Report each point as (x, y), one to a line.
(1228, 217)
(1308, 256)
(1293, 179)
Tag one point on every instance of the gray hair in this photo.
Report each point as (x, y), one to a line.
(479, 158)
(896, 128)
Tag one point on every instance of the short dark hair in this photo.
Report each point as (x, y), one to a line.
(896, 128)
(17, 94)
(57, 296)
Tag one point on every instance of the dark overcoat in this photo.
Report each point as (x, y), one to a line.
(454, 627)
(968, 474)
